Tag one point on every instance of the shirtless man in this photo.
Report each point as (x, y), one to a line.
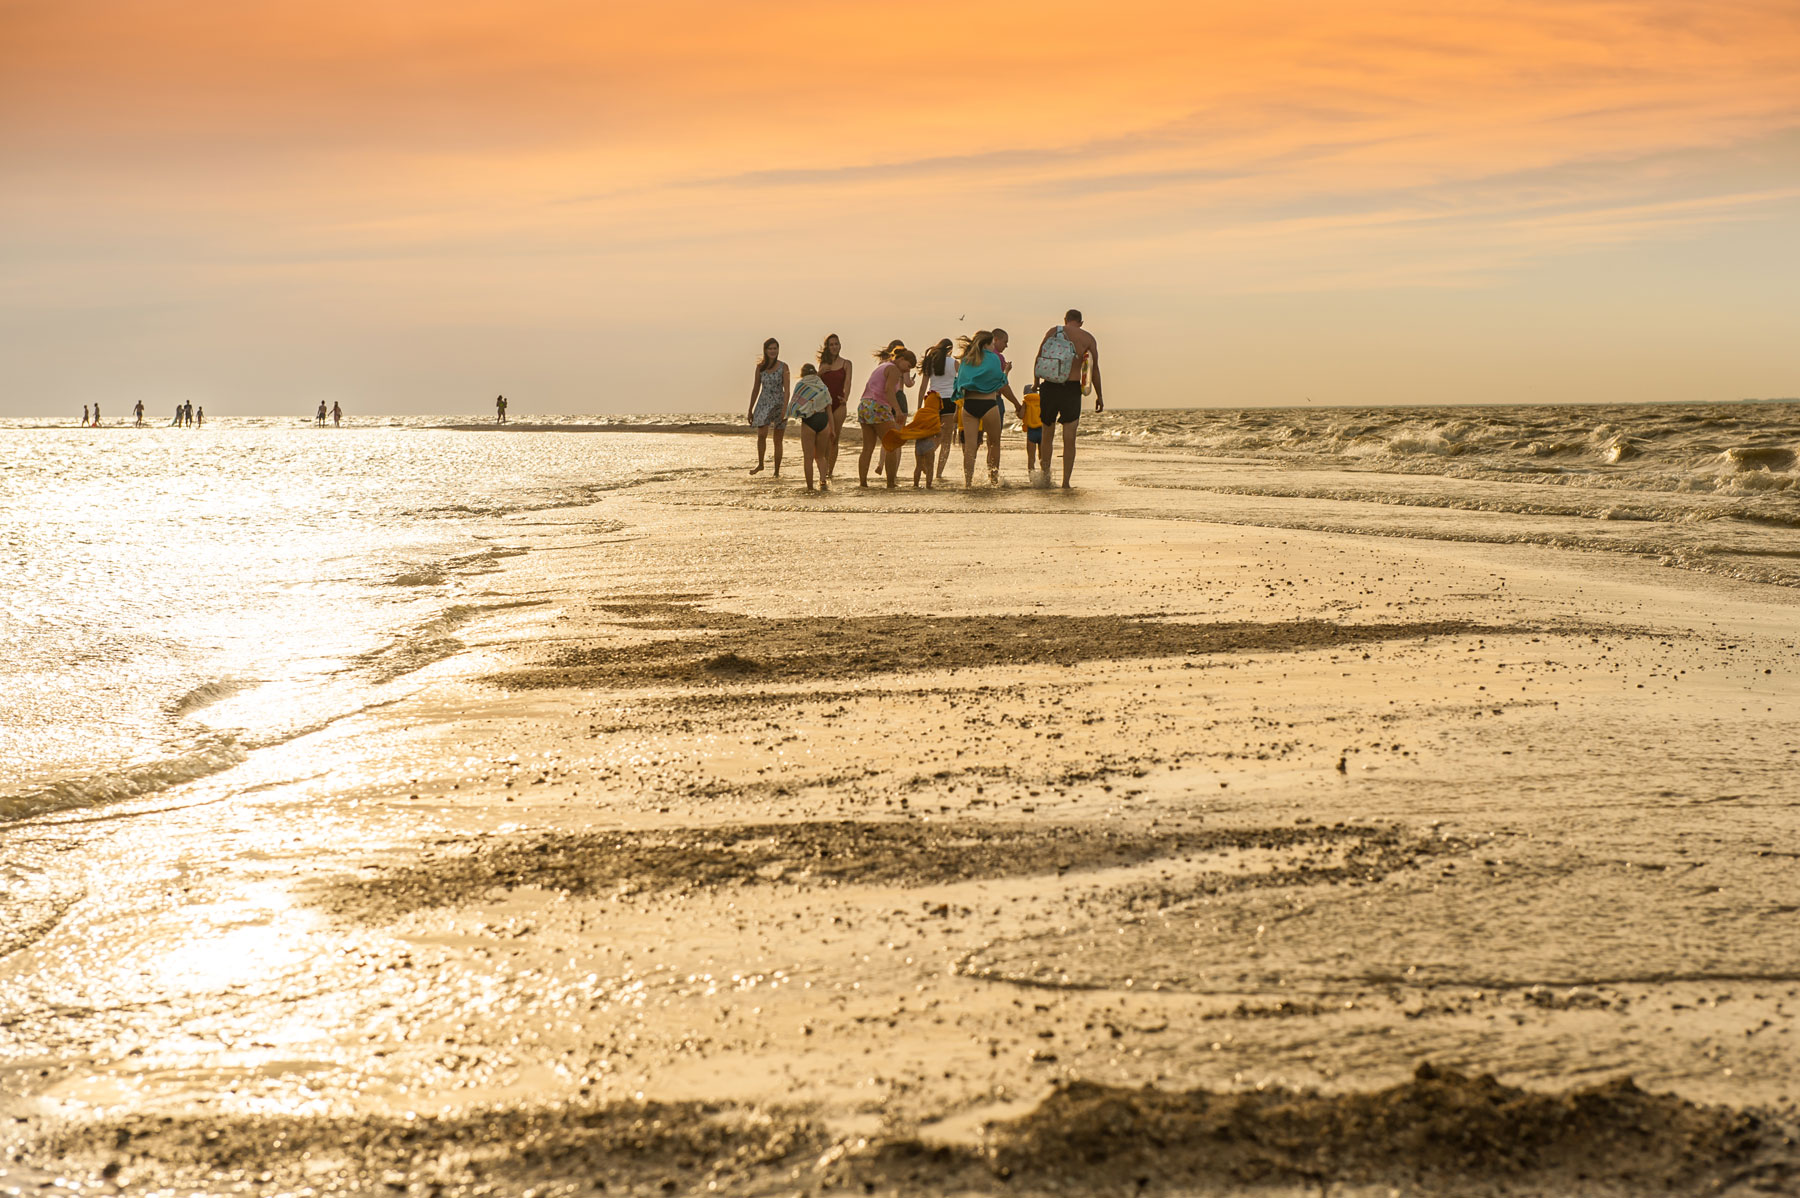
(1060, 403)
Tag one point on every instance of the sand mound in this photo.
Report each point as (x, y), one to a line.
(1441, 1133)
(646, 1147)
(1438, 1126)
(731, 663)
(815, 853)
(803, 649)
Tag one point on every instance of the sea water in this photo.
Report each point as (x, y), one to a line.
(174, 598)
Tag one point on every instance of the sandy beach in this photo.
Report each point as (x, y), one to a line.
(1168, 836)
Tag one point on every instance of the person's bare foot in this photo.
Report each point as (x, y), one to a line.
(824, 484)
(757, 469)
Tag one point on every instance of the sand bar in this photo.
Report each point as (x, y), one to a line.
(754, 842)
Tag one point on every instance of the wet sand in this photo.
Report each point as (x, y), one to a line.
(740, 841)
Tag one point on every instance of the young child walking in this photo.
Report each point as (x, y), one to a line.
(1033, 422)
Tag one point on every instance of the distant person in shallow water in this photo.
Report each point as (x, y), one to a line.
(138, 411)
(499, 409)
(1066, 350)
(1001, 340)
(337, 415)
(320, 418)
(812, 404)
(199, 417)
(835, 370)
(187, 414)
(768, 403)
(879, 411)
(84, 416)
(937, 385)
(887, 355)
(982, 387)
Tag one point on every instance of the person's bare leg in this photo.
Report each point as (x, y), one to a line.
(780, 433)
(993, 443)
(836, 427)
(871, 434)
(809, 449)
(969, 442)
(1068, 440)
(890, 461)
(762, 448)
(947, 439)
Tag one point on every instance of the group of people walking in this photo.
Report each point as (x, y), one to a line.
(963, 389)
(186, 415)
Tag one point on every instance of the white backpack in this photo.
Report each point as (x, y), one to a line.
(1056, 361)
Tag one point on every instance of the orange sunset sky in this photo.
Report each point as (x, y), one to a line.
(410, 205)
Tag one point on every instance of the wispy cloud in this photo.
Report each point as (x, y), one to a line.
(394, 160)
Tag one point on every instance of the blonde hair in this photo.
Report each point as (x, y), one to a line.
(887, 354)
(900, 351)
(975, 348)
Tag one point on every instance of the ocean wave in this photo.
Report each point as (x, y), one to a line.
(1759, 457)
(213, 754)
(1500, 436)
(429, 642)
(205, 695)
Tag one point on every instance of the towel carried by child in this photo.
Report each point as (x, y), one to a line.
(1033, 417)
(924, 424)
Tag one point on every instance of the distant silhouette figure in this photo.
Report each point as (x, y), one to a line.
(176, 423)
(199, 417)
(96, 415)
(187, 414)
(337, 415)
(499, 409)
(138, 411)
(320, 418)
(84, 416)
